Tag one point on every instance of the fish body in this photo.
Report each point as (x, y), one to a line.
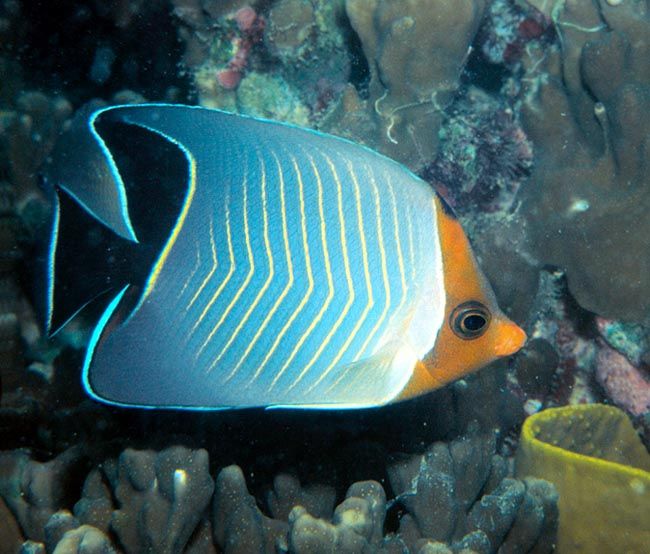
(302, 271)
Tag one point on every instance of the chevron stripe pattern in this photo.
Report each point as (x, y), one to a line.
(303, 270)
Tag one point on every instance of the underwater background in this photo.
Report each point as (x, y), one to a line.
(530, 117)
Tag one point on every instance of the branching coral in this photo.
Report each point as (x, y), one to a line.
(161, 498)
(456, 496)
(460, 493)
(33, 491)
(309, 44)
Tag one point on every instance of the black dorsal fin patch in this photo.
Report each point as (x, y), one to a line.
(87, 258)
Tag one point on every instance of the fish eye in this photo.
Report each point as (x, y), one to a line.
(470, 320)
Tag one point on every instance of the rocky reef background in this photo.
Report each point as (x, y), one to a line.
(529, 116)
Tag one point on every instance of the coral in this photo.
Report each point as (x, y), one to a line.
(9, 531)
(622, 367)
(586, 110)
(457, 495)
(268, 96)
(629, 339)
(161, 498)
(596, 460)
(624, 383)
(415, 67)
(32, 547)
(566, 362)
(483, 156)
(508, 30)
(250, 26)
(309, 44)
(287, 492)
(27, 135)
(84, 540)
(58, 525)
(33, 491)
(238, 524)
(95, 507)
(557, 328)
(287, 65)
(460, 493)
(357, 524)
(28, 131)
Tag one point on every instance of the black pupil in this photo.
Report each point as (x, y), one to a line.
(474, 322)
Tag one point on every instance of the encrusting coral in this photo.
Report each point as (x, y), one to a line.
(602, 473)
(484, 155)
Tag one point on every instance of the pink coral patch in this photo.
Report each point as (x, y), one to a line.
(245, 18)
(229, 78)
(624, 383)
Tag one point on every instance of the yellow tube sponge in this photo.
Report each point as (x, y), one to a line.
(602, 473)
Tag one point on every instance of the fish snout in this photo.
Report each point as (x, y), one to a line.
(510, 339)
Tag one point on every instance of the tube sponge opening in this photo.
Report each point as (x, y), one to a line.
(602, 473)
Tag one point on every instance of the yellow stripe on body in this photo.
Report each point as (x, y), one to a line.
(310, 277)
(207, 278)
(412, 255)
(155, 274)
(330, 286)
(348, 278)
(364, 255)
(409, 230)
(400, 259)
(288, 286)
(265, 286)
(231, 270)
(192, 273)
(242, 287)
(384, 272)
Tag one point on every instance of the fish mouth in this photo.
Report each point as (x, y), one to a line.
(511, 339)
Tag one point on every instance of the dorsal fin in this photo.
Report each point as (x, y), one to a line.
(96, 183)
(88, 255)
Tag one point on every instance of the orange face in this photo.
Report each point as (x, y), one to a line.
(474, 331)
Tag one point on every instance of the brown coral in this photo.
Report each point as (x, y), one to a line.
(415, 62)
(588, 114)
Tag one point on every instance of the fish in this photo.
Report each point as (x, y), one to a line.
(301, 270)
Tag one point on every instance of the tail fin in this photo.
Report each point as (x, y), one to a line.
(85, 260)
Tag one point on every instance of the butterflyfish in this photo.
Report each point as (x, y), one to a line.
(299, 270)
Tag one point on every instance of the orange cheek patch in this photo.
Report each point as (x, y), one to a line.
(454, 357)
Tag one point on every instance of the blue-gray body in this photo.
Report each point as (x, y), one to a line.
(303, 270)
